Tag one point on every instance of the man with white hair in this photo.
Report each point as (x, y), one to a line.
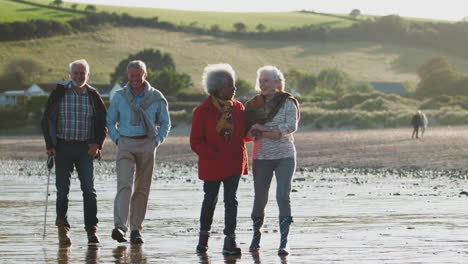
(74, 128)
(138, 122)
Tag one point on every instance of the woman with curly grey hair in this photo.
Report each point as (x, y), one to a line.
(272, 117)
(217, 137)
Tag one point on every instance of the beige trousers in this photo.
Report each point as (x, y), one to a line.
(135, 163)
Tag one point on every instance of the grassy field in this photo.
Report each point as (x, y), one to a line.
(106, 48)
(13, 11)
(225, 20)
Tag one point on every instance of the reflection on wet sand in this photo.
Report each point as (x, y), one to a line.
(257, 258)
(136, 255)
(63, 254)
(229, 259)
(92, 254)
(345, 217)
(204, 258)
(284, 259)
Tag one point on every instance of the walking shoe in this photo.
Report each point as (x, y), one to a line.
(282, 252)
(230, 246)
(203, 237)
(92, 236)
(119, 235)
(135, 237)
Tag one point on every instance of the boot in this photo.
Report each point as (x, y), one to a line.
(92, 236)
(285, 222)
(136, 238)
(64, 239)
(257, 234)
(202, 246)
(230, 246)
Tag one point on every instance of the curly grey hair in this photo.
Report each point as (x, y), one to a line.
(82, 62)
(273, 73)
(216, 75)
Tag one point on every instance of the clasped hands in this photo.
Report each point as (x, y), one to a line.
(258, 131)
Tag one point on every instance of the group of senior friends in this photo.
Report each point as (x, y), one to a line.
(76, 122)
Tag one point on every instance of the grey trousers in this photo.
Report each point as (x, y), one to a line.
(263, 173)
(135, 163)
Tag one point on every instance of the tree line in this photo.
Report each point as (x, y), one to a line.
(452, 37)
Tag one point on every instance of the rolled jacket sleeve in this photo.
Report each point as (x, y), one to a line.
(290, 126)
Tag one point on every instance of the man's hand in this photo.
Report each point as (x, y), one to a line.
(93, 150)
(51, 152)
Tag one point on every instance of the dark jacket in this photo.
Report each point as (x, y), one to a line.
(217, 159)
(51, 112)
(416, 120)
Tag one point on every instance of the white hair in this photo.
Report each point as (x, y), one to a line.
(82, 62)
(273, 74)
(216, 75)
(137, 64)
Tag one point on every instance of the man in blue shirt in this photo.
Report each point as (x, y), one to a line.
(138, 122)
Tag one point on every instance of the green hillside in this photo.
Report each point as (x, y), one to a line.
(225, 20)
(13, 11)
(105, 48)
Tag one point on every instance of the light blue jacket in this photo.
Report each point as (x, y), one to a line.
(119, 118)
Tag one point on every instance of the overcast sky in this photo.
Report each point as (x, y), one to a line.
(446, 9)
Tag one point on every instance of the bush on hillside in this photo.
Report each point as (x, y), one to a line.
(155, 61)
(445, 101)
(169, 82)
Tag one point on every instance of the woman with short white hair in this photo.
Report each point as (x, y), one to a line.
(272, 117)
(217, 137)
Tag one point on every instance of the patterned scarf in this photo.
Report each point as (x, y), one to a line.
(258, 110)
(151, 95)
(225, 126)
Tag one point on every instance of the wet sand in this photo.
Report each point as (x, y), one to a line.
(359, 196)
(443, 148)
(340, 217)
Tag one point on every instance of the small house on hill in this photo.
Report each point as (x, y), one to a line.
(389, 87)
(11, 96)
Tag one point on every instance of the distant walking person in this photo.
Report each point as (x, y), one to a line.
(217, 137)
(138, 122)
(273, 117)
(74, 128)
(424, 123)
(416, 122)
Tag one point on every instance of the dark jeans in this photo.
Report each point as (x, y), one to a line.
(68, 156)
(211, 189)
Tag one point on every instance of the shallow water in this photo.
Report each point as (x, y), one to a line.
(339, 218)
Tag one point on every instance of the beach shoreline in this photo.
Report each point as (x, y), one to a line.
(442, 149)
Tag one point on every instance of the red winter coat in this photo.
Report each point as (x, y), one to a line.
(217, 159)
